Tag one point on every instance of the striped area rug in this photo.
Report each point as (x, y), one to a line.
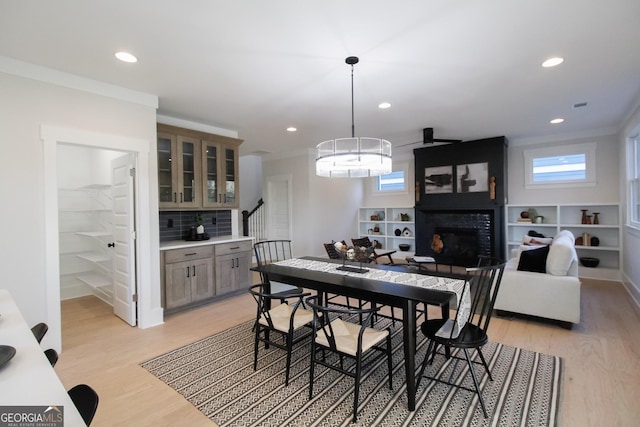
(216, 375)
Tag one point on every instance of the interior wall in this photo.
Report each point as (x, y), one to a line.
(323, 208)
(630, 237)
(25, 106)
(607, 177)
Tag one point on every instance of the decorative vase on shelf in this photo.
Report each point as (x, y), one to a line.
(584, 216)
(596, 220)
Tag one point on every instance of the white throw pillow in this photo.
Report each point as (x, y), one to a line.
(561, 254)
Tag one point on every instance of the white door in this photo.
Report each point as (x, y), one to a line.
(279, 207)
(124, 255)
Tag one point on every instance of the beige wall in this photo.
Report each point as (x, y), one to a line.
(25, 106)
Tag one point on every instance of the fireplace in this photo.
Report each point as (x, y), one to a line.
(456, 237)
(470, 219)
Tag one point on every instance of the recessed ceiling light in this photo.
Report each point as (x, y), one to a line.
(126, 57)
(384, 105)
(552, 62)
(556, 121)
(291, 129)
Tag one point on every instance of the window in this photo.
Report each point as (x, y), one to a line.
(391, 184)
(561, 166)
(634, 183)
(393, 181)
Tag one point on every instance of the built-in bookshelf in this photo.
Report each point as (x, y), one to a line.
(548, 220)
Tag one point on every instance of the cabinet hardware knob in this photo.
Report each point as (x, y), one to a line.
(111, 245)
(188, 272)
(191, 254)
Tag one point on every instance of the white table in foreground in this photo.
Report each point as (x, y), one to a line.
(29, 379)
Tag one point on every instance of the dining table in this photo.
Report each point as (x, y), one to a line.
(28, 382)
(392, 285)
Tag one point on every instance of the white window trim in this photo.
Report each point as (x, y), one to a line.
(588, 148)
(404, 167)
(633, 175)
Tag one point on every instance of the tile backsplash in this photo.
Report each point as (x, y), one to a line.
(176, 225)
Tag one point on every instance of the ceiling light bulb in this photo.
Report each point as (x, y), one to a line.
(552, 62)
(556, 121)
(126, 57)
(291, 129)
(384, 105)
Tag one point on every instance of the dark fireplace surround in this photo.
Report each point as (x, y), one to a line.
(467, 224)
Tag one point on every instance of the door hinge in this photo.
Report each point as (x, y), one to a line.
(132, 172)
(134, 297)
(133, 235)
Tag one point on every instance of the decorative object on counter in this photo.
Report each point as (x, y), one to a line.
(354, 254)
(492, 188)
(595, 241)
(539, 219)
(404, 247)
(406, 232)
(404, 217)
(374, 218)
(589, 261)
(397, 232)
(376, 229)
(376, 244)
(199, 221)
(596, 219)
(380, 215)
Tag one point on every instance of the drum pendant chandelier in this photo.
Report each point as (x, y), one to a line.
(355, 157)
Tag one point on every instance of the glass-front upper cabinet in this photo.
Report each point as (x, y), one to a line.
(220, 172)
(178, 171)
(167, 174)
(189, 172)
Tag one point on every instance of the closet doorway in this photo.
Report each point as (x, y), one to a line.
(96, 226)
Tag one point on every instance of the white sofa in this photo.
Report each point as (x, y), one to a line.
(554, 294)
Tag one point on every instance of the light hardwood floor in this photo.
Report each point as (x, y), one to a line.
(601, 384)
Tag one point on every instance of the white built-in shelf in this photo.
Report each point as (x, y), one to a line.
(569, 217)
(94, 233)
(95, 280)
(95, 257)
(387, 227)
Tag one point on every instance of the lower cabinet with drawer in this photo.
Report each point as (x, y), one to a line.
(233, 261)
(197, 275)
(189, 276)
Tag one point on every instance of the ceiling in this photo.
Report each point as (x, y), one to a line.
(469, 69)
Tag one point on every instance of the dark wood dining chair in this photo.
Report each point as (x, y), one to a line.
(367, 243)
(52, 356)
(283, 320)
(86, 400)
(268, 252)
(39, 331)
(348, 340)
(483, 284)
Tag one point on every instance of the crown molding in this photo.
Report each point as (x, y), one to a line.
(72, 81)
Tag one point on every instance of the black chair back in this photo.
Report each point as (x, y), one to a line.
(52, 356)
(86, 400)
(483, 282)
(332, 251)
(39, 331)
(270, 251)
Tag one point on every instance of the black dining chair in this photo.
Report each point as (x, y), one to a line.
(347, 339)
(483, 284)
(52, 356)
(271, 251)
(39, 331)
(86, 400)
(367, 243)
(283, 320)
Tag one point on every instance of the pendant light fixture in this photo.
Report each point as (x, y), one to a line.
(354, 157)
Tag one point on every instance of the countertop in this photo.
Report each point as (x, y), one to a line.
(181, 244)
